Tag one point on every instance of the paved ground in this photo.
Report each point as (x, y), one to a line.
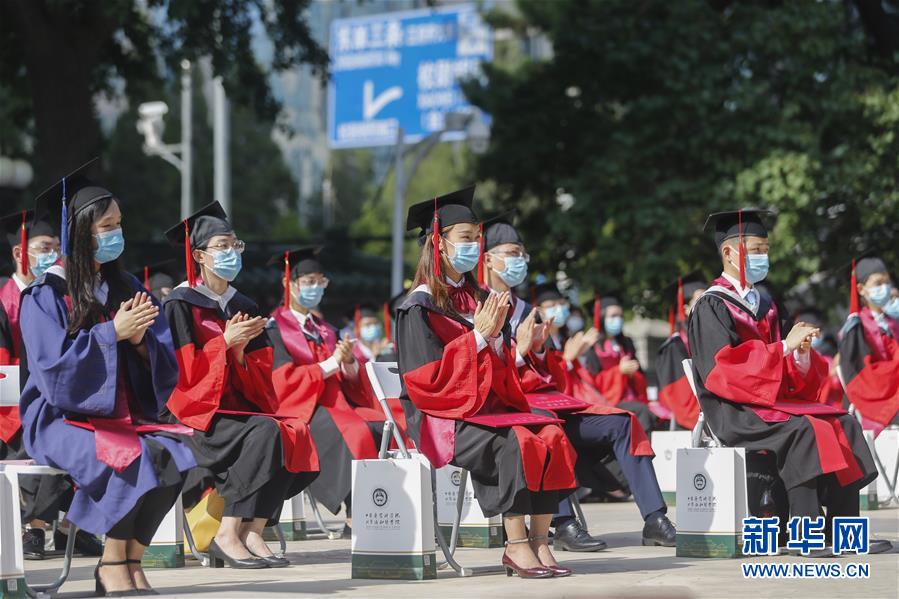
(625, 570)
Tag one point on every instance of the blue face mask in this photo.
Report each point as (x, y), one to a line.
(110, 245)
(756, 267)
(370, 332)
(613, 325)
(515, 272)
(43, 262)
(892, 308)
(880, 295)
(466, 257)
(227, 264)
(310, 296)
(558, 313)
(817, 342)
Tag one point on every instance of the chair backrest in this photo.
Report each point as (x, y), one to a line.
(9, 386)
(701, 423)
(385, 379)
(386, 384)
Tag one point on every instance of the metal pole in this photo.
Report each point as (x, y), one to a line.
(399, 203)
(186, 139)
(220, 145)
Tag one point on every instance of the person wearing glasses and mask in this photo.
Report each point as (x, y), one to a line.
(35, 248)
(758, 384)
(318, 380)
(225, 393)
(869, 345)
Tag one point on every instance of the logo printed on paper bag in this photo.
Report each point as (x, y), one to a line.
(379, 497)
(456, 477)
(699, 482)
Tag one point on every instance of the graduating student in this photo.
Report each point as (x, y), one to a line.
(463, 399)
(369, 333)
(101, 367)
(318, 380)
(758, 385)
(613, 363)
(225, 393)
(594, 429)
(674, 389)
(869, 353)
(160, 278)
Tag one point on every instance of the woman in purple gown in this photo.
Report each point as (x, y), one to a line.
(101, 367)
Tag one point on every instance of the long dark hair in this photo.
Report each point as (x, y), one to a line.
(424, 275)
(86, 311)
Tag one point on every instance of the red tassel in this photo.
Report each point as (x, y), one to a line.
(146, 277)
(533, 295)
(23, 241)
(853, 291)
(357, 320)
(481, 275)
(188, 258)
(681, 310)
(387, 332)
(670, 321)
(742, 251)
(435, 241)
(287, 279)
(597, 308)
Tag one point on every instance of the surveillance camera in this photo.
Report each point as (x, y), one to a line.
(152, 110)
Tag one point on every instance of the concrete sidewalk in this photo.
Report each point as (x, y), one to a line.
(625, 570)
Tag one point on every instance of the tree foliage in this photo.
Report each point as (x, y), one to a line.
(654, 113)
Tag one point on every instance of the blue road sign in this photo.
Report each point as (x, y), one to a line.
(402, 69)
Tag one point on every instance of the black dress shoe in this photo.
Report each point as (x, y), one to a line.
(571, 536)
(33, 544)
(85, 543)
(218, 559)
(659, 530)
(274, 561)
(879, 546)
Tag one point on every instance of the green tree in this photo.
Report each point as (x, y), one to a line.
(652, 114)
(61, 53)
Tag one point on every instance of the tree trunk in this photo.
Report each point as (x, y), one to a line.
(61, 53)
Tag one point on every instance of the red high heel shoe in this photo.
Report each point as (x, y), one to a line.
(557, 570)
(513, 568)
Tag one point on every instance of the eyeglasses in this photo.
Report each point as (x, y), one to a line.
(512, 254)
(45, 248)
(237, 245)
(313, 282)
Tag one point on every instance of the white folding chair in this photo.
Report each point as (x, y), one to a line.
(386, 384)
(878, 461)
(703, 436)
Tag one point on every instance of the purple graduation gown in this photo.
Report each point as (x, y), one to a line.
(75, 378)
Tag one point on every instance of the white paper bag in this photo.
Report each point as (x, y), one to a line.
(711, 501)
(867, 495)
(887, 445)
(166, 550)
(393, 520)
(665, 445)
(475, 529)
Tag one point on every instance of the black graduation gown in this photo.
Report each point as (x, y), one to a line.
(240, 452)
(869, 363)
(446, 381)
(755, 397)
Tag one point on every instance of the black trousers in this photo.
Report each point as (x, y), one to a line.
(146, 516)
(644, 416)
(806, 499)
(264, 502)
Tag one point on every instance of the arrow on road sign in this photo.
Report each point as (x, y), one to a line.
(373, 105)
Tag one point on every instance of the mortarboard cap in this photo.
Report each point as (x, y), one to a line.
(196, 230)
(452, 209)
(13, 223)
(67, 197)
(500, 230)
(869, 266)
(726, 225)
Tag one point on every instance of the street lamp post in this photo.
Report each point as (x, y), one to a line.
(151, 125)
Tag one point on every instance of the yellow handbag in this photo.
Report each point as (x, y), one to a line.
(205, 518)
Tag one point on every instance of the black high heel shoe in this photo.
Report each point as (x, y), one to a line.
(273, 561)
(100, 588)
(148, 591)
(218, 559)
